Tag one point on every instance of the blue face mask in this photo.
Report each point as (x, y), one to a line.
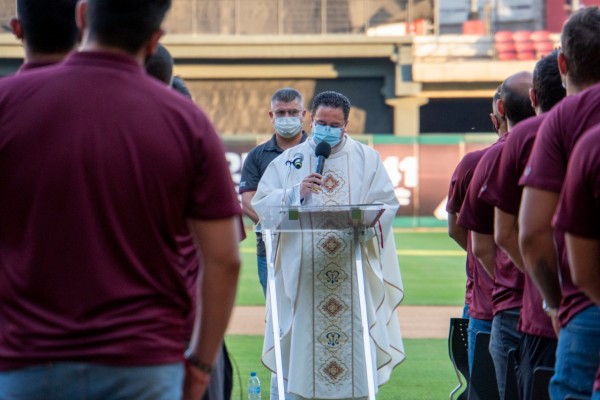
(329, 134)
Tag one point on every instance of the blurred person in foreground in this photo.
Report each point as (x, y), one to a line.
(323, 355)
(102, 169)
(572, 312)
(47, 29)
(287, 115)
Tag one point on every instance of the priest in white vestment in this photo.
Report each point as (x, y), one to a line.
(315, 273)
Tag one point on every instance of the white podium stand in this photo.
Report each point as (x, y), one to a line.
(357, 217)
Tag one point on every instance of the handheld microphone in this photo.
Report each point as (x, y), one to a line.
(322, 152)
(297, 161)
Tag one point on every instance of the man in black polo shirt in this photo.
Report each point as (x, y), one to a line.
(287, 114)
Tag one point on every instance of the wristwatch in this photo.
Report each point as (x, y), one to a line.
(550, 311)
(193, 360)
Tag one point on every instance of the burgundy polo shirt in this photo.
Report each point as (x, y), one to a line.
(578, 211)
(101, 168)
(478, 215)
(503, 191)
(546, 170)
(480, 306)
(33, 65)
(456, 194)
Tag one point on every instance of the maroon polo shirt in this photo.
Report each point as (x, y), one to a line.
(101, 167)
(503, 191)
(33, 65)
(456, 194)
(546, 170)
(478, 215)
(481, 306)
(480, 285)
(578, 211)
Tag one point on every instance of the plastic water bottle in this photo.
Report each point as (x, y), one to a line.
(253, 387)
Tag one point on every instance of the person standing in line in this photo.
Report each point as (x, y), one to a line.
(287, 115)
(321, 342)
(478, 295)
(160, 66)
(542, 247)
(578, 215)
(47, 29)
(538, 344)
(478, 217)
(102, 168)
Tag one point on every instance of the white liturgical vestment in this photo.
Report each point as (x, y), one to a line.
(316, 283)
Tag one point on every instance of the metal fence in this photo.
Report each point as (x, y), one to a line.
(293, 17)
(326, 17)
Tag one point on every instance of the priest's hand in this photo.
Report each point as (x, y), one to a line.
(311, 184)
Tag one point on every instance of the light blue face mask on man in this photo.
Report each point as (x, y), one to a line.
(324, 133)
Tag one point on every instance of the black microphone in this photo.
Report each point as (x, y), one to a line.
(322, 152)
(297, 160)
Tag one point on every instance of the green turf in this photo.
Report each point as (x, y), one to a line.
(425, 374)
(434, 277)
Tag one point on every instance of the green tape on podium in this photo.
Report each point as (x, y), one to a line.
(293, 215)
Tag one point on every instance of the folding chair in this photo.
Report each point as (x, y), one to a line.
(484, 385)
(541, 381)
(511, 387)
(458, 350)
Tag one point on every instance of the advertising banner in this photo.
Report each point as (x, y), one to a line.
(420, 169)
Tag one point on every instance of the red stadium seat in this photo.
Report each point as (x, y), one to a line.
(503, 36)
(504, 47)
(506, 55)
(521, 47)
(526, 55)
(539, 36)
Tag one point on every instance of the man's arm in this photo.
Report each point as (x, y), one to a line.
(484, 249)
(217, 243)
(506, 235)
(456, 232)
(536, 241)
(584, 260)
(247, 206)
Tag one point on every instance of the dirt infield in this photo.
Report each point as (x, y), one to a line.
(416, 322)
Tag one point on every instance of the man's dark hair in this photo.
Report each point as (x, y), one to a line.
(48, 26)
(331, 99)
(515, 97)
(125, 24)
(580, 41)
(179, 86)
(547, 82)
(160, 64)
(286, 95)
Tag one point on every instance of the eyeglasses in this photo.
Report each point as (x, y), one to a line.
(283, 113)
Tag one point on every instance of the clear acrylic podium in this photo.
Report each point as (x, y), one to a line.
(285, 219)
